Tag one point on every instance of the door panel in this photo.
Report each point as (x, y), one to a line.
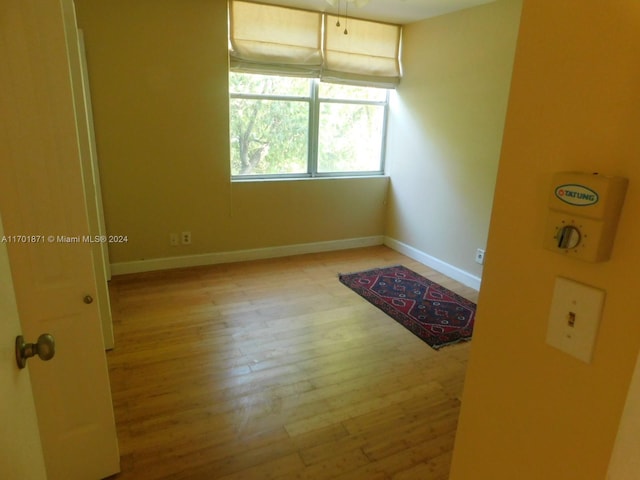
(44, 208)
(94, 195)
(20, 438)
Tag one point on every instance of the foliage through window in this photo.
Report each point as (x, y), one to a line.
(290, 126)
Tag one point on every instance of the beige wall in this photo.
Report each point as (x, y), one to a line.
(445, 130)
(158, 72)
(530, 411)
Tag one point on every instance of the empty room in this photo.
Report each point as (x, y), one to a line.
(319, 239)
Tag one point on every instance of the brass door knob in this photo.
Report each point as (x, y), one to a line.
(45, 348)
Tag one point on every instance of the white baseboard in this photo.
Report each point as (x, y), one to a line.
(168, 263)
(456, 273)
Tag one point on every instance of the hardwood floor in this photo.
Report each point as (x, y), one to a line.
(275, 370)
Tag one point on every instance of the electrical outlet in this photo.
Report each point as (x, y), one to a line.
(480, 256)
(185, 238)
(173, 239)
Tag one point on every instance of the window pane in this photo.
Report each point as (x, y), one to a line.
(350, 138)
(349, 92)
(268, 136)
(268, 85)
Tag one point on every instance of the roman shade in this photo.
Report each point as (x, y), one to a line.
(281, 40)
(368, 54)
(272, 39)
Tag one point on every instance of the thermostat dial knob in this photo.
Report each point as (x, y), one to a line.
(568, 237)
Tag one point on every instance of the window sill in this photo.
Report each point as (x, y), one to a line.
(306, 178)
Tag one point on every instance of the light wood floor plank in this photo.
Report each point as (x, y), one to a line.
(274, 370)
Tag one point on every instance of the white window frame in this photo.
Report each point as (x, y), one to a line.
(315, 102)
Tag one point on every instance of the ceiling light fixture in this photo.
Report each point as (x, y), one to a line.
(358, 3)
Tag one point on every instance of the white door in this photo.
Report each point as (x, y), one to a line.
(20, 440)
(45, 217)
(91, 172)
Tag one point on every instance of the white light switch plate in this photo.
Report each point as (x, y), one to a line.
(574, 318)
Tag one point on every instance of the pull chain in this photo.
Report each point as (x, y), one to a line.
(346, 17)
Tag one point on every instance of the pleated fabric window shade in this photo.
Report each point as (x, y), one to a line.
(280, 40)
(272, 39)
(368, 55)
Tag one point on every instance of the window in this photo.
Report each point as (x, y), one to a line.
(292, 126)
(307, 99)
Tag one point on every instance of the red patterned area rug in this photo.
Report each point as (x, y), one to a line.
(433, 313)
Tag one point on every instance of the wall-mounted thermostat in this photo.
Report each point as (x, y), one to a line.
(583, 214)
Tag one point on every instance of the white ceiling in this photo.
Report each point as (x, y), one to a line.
(391, 11)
